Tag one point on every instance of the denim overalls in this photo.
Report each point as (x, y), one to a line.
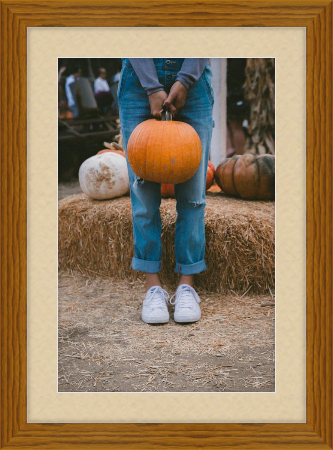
(134, 108)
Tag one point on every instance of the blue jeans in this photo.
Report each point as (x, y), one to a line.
(146, 195)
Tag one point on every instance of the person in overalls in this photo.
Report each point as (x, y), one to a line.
(183, 85)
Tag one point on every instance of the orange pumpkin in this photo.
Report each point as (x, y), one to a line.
(120, 152)
(112, 147)
(248, 176)
(164, 151)
(210, 175)
(168, 190)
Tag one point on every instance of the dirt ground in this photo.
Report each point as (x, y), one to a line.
(105, 347)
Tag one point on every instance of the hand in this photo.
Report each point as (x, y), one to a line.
(176, 98)
(156, 101)
(62, 69)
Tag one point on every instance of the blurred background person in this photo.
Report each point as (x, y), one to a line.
(75, 75)
(102, 91)
(62, 100)
(61, 71)
(114, 81)
(100, 84)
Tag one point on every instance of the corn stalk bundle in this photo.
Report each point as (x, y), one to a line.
(259, 89)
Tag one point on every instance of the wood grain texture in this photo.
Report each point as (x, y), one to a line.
(13, 172)
(150, 13)
(316, 16)
(319, 224)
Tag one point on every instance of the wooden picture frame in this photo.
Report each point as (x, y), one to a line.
(16, 16)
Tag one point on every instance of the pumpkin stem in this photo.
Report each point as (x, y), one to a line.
(166, 114)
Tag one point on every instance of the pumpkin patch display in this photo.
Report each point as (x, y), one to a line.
(164, 151)
(248, 176)
(168, 190)
(104, 176)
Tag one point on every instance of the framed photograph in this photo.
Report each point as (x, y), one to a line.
(59, 394)
(110, 341)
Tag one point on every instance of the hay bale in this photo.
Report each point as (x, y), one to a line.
(96, 238)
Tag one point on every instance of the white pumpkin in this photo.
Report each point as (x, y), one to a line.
(104, 176)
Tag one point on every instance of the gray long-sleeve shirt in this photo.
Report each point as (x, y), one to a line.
(189, 73)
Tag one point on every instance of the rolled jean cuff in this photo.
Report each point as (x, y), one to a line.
(191, 269)
(146, 266)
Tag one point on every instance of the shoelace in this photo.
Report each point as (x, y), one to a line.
(184, 296)
(159, 302)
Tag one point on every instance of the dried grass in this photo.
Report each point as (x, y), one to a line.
(105, 346)
(95, 237)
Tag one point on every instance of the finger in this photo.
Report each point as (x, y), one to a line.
(180, 102)
(167, 102)
(170, 107)
(157, 114)
(170, 99)
(179, 105)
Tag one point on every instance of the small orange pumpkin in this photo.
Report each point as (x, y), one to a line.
(210, 175)
(112, 147)
(248, 176)
(164, 151)
(120, 152)
(168, 190)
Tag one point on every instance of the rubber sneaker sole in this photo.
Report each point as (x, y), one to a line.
(187, 319)
(155, 319)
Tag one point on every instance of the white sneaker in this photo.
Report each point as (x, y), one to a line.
(154, 306)
(186, 303)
